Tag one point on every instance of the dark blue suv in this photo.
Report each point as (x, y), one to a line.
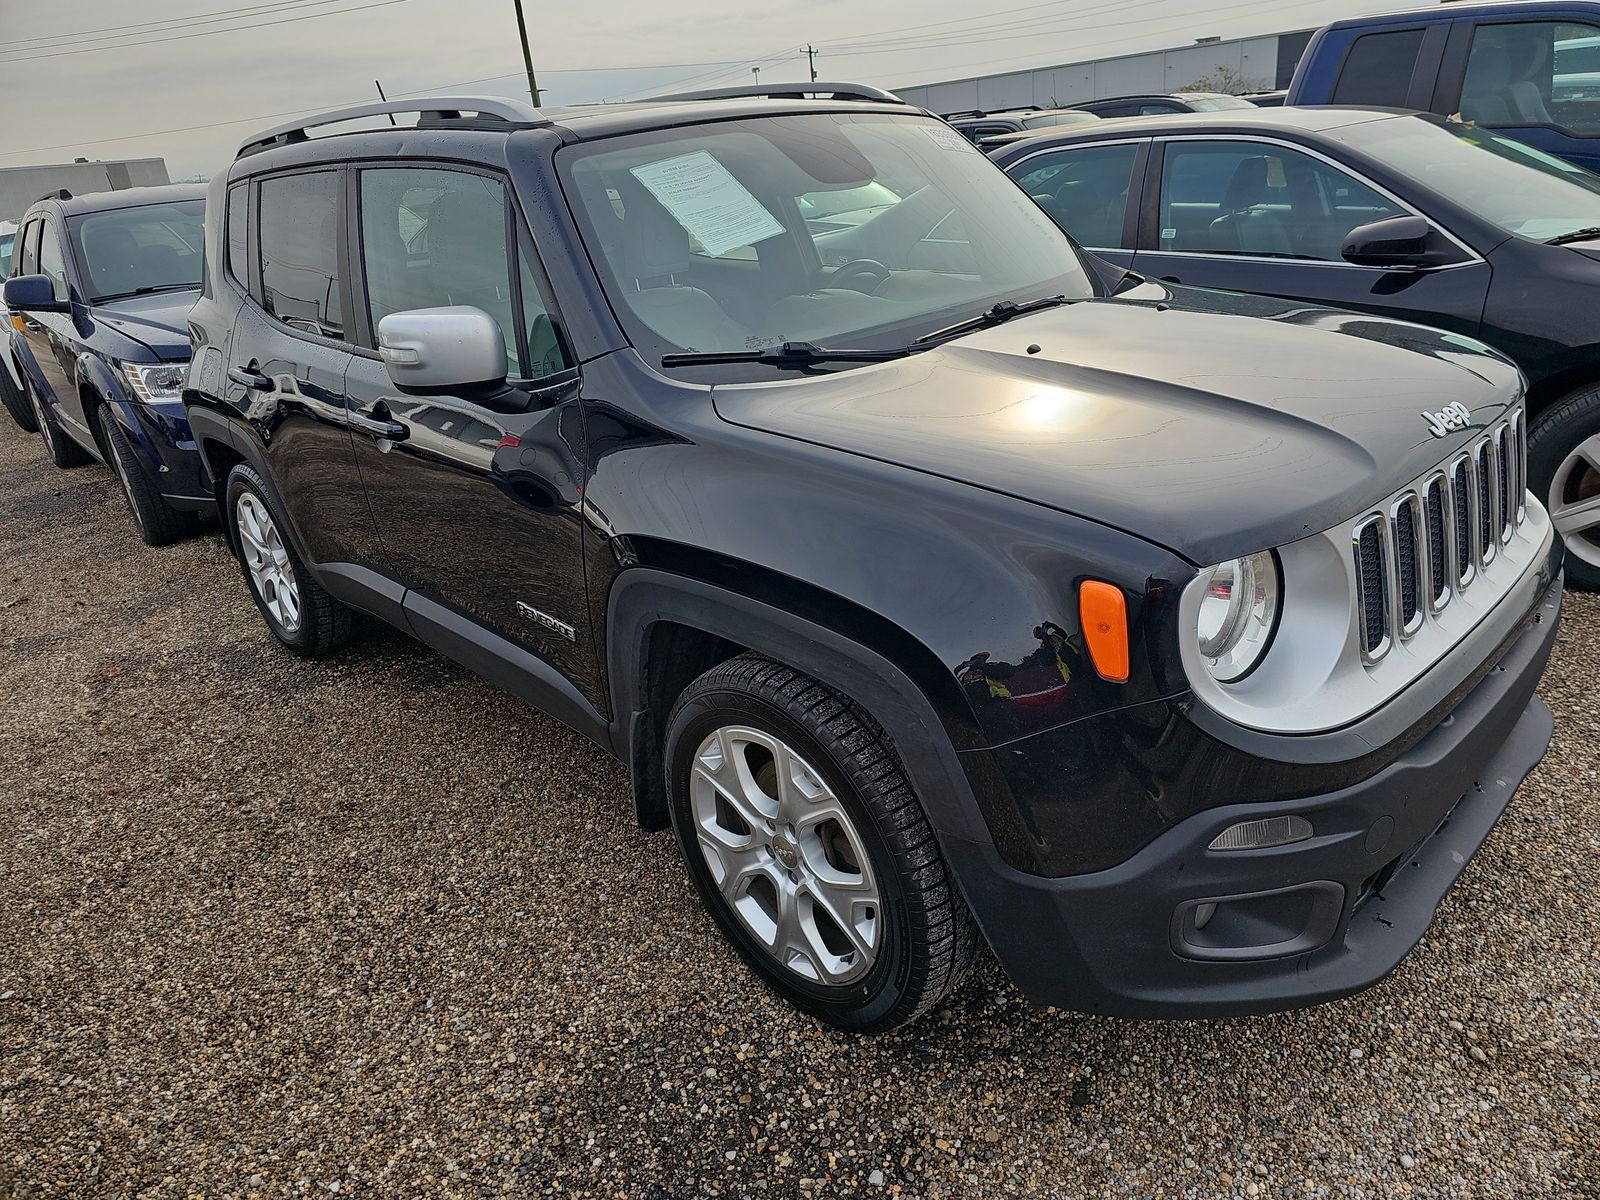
(100, 290)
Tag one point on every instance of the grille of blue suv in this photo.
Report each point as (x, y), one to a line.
(1458, 515)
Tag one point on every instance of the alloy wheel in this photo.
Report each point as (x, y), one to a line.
(1574, 500)
(786, 855)
(267, 560)
(45, 431)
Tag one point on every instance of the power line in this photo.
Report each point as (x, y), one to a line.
(226, 14)
(183, 37)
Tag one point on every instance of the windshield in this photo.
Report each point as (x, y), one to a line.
(706, 239)
(1522, 190)
(1050, 120)
(1213, 103)
(151, 248)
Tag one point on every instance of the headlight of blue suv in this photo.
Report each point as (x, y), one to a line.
(1238, 613)
(156, 381)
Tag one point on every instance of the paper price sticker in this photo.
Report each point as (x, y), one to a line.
(705, 198)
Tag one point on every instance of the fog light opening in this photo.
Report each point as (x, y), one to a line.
(1258, 835)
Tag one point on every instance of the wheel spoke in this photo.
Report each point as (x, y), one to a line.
(1577, 517)
(1589, 451)
(842, 911)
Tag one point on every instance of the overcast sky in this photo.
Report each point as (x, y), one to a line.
(113, 79)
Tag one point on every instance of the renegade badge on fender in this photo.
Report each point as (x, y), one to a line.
(932, 587)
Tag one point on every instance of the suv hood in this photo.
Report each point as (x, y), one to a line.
(159, 322)
(1219, 426)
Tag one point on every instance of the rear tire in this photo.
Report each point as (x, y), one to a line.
(58, 447)
(158, 523)
(16, 400)
(298, 610)
(785, 868)
(1564, 472)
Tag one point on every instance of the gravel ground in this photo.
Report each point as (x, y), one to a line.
(370, 927)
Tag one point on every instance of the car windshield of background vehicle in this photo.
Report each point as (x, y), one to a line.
(1215, 103)
(131, 251)
(707, 238)
(1052, 120)
(1522, 190)
(7, 242)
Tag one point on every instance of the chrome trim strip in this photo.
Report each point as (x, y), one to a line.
(1503, 493)
(1465, 465)
(1409, 508)
(1437, 603)
(1386, 571)
(1487, 531)
(1521, 427)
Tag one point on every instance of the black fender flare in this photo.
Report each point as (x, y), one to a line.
(644, 596)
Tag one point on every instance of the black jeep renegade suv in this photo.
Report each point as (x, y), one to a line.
(1179, 645)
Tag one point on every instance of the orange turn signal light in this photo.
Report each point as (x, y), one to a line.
(1104, 615)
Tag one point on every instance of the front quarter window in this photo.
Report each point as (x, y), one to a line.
(845, 230)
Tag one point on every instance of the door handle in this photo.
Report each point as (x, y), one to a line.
(378, 424)
(1170, 279)
(251, 379)
(31, 325)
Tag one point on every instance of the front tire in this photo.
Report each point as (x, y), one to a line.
(158, 523)
(300, 613)
(1564, 472)
(805, 840)
(58, 447)
(16, 400)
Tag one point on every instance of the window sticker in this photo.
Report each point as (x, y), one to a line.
(949, 139)
(1169, 234)
(717, 210)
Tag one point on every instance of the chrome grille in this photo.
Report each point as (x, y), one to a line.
(1458, 517)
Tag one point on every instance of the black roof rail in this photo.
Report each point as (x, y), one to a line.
(789, 91)
(965, 115)
(496, 112)
(56, 194)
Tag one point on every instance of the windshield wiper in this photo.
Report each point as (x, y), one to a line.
(1577, 235)
(147, 291)
(790, 354)
(999, 314)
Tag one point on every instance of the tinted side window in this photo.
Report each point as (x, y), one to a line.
(1085, 191)
(1261, 199)
(1378, 68)
(432, 238)
(299, 251)
(1534, 73)
(51, 261)
(238, 232)
(28, 256)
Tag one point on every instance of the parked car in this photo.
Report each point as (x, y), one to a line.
(100, 290)
(1528, 67)
(1163, 103)
(11, 393)
(981, 127)
(1267, 99)
(1407, 216)
(931, 595)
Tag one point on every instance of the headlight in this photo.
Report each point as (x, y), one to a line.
(1238, 612)
(156, 381)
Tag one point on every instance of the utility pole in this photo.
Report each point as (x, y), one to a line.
(527, 54)
(811, 55)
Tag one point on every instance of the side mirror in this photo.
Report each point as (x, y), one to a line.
(33, 293)
(1400, 243)
(434, 350)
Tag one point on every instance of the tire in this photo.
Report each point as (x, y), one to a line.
(16, 400)
(300, 613)
(158, 523)
(1564, 471)
(850, 839)
(58, 447)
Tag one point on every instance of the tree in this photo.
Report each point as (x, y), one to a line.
(1228, 82)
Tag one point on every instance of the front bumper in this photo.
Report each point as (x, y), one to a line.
(1301, 923)
(161, 438)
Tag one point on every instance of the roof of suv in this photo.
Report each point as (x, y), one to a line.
(582, 122)
(91, 202)
(1451, 11)
(1228, 120)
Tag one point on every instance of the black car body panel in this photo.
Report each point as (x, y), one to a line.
(901, 532)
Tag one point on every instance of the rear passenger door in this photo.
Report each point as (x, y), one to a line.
(1090, 191)
(52, 337)
(287, 361)
(476, 500)
(1256, 215)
